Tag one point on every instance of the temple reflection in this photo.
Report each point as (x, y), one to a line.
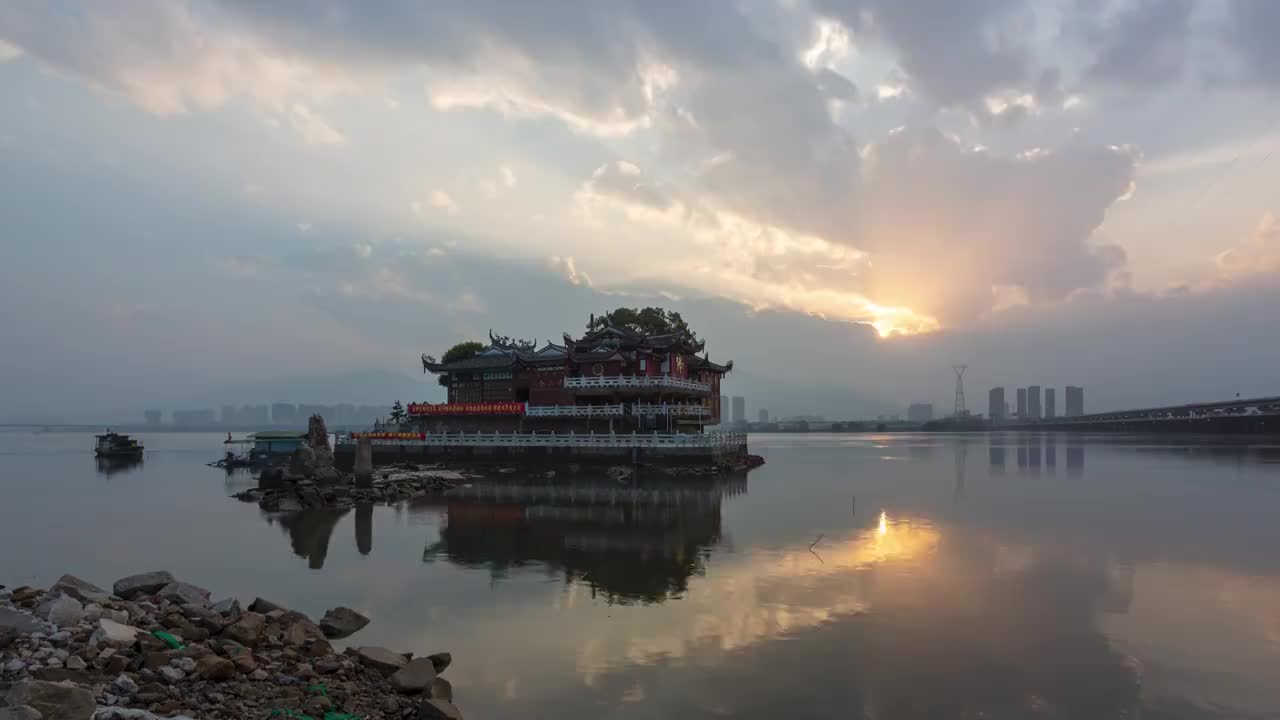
(629, 544)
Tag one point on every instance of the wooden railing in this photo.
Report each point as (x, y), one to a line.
(655, 382)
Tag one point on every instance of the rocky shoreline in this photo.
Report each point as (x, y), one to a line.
(155, 647)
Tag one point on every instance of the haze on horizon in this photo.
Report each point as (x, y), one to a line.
(203, 198)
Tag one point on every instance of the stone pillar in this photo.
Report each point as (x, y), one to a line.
(364, 462)
(364, 528)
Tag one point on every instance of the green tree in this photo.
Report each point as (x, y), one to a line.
(461, 351)
(397, 413)
(649, 320)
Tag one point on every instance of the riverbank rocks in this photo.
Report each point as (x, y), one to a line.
(184, 594)
(82, 590)
(141, 584)
(113, 634)
(341, 622)
(54, 701)
(248, 630)
(381, 659)
(432, 709)
(61, 609)
(22, 622)
(215, 669)
(414, 677)
(120, 662)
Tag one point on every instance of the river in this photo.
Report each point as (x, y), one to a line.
(854, 576)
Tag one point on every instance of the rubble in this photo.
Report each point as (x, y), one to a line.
(167, 653)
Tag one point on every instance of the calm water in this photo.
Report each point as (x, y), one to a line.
(952, 576)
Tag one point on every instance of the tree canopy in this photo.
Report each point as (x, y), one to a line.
(461, 351)
(649, 320)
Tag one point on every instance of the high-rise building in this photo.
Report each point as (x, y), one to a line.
(283, 413)
(1033, 402)
(152, 416)
(1022, 403)
(764, 416)
(995, 404)
(739, 410)
(195, 418)
(1050, 403)
(920, 412)
(724, 409)
(229, 416)
(1075, 401)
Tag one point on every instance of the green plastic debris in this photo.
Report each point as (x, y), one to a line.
(170, 640)
(319, 689)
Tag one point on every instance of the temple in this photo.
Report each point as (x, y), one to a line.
(613, 396)
(613, 379)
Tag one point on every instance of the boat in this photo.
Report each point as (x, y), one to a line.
(117, 445)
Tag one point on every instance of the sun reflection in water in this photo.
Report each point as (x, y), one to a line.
(884, 523)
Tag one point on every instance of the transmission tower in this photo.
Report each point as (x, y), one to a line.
(960, 411)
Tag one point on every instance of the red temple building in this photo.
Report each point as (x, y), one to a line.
(610, 380)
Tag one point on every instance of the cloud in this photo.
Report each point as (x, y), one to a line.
(1137, 47)
(955, 53)
(169, 57)
(1258, 256)
(441, 200)
(9, 51)
(623, 183)
(313, 129)
(1252, 32)
(567, 267)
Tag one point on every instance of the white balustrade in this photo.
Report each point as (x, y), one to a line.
(677, 410)
(653, 382)
(587, 411)
(719, 442)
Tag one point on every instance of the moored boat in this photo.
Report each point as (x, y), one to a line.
(117, 445)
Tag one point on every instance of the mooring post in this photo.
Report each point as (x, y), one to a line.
(364, 462)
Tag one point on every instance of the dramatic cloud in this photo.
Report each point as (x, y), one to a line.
(861, 168)
(1140, 46)
(953, 52)
(1259, 256)
(1253, 26)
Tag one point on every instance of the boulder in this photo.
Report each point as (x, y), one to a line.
(182, 593)
(440, 689)
(381, 659)
(82, 590)
(21, 622)
(141, 584)
(302, 464)
(341, 622)
(414, 677)
(54, 701)
(228, 608)
(247, 630)
(124, 685)
(61, 609)
(114, 634)
(215, 669)
(432, 709)
(20, 712)
(440, 661)
(264, 606)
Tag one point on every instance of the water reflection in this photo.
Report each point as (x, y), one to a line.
(628, 544)
(309, 531)
(109, 466)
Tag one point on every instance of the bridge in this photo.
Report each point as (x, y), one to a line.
(1250, 415)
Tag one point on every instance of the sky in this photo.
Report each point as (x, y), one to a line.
(845, 197)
